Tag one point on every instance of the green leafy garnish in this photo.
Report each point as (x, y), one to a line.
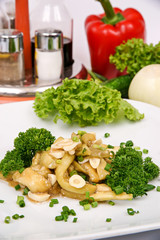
(84, 102)
(134, 54)
(130, 173)
(25, 147)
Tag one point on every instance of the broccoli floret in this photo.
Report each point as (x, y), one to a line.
(11, 162)
(25, 147)
(129, 171)
(151, 169)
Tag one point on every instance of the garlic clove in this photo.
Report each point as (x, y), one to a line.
(57, 153)
(94, 162)
(71, 146)
(77, 181)
(52, 178)
(60, 144)
(72, 152)
(38, 197)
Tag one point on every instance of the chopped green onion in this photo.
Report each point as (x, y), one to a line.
(137, 148)
(59, 218)
(75, 139)
(149, 187)
(19, 198)
(1, 201)
(87, 194)
(81, 133)
(7, 219)
(111, 203)
(65, 209)
(80, 158)
(99, 147)
(86, 206)
(94, 204)
(84, 202)
(83, 176)
(84, 150)
(110, 146)
(15, 216)
(17, 187)
(131, 212)
(108, 219)
(91, 199)
(25, 191)
(106, 135)
(65, 216)
(73, 173)
(158, 188)
(21, 170)
(118, 190)
(58, 161)
(54, 200)
(75, 219)
(72, 212)
(51, 204)
(20, 201)
(21, 216)
(145, 151)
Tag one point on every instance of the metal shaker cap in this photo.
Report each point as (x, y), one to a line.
(11, 40)
(48, 39)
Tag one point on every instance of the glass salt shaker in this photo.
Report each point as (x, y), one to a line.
(11, 56)
(53, 14)
(48, 56)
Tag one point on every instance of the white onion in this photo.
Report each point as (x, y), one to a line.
(145, 85)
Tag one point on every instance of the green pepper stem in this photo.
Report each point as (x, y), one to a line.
(108, 9)
(111, 17)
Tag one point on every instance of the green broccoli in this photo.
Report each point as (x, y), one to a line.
(11, 162)
(130, 172)
(150, 168)
(25, 147)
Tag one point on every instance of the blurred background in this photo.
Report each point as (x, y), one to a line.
(80, 9)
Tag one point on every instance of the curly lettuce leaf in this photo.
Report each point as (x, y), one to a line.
(81, 101)
(130, 112)
(43, 104)
(85, 102)
(134, 54)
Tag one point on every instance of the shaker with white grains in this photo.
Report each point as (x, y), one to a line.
(48, 56)
(12, 69)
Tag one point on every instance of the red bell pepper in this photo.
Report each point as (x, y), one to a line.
(108, 30)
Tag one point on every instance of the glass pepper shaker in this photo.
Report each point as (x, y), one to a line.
(48, 56)
(11, 56)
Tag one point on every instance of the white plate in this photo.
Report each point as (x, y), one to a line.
(39, 220)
